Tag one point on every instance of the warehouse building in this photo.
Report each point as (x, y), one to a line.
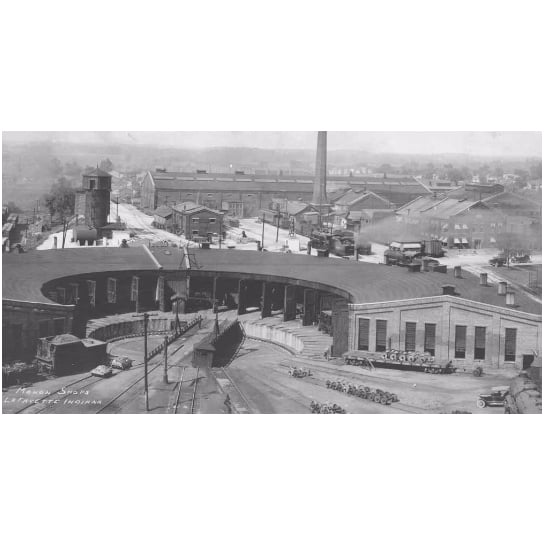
(243, 195)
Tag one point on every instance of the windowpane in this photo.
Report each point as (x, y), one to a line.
(429, 343)
(460, 341)
(381, 334)
(410, 337)
(112, 290)
(91, 287)
(510, 344)
(479, 342)
(364, 330)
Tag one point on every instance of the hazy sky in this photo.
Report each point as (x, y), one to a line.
(474, 143)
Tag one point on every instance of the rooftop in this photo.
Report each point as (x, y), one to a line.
(25, 274)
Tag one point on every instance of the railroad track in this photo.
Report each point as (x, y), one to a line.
(178, 396)
(195, 403)
(133, 384)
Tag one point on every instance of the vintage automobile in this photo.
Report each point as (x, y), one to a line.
(521, 259)
(102, 371)
(499, 260)
(495, 398)
(121, 363)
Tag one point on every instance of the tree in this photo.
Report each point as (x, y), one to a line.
(106, 165)
(60, 201)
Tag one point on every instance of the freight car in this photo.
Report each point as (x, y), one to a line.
(398, 360)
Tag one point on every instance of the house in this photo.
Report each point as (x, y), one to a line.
(162, 217)
(196, 221)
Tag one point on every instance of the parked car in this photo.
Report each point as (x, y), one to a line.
(521, 259)
(102, 371)
(496, 397)
(499, 260)
(121, 363)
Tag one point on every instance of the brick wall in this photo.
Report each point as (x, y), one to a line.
(447, 312)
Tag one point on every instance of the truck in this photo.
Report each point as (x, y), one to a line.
(405, 253)
(339, 242)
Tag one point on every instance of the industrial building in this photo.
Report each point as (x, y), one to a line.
(475, 216)
(457, 316)
(243, 195)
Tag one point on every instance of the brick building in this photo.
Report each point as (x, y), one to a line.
(93, 199)
(193, 220)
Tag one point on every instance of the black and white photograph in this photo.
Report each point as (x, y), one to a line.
(271, 271)
(243, 275)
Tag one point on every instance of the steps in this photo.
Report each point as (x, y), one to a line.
(306, 341)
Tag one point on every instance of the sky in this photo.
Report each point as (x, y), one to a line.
(473, 143)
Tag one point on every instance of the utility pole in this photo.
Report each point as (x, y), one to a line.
(146, 385)
(278, 222)
(165, 375)
(220, 230)
(262, 236)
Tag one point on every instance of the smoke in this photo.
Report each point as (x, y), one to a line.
(525, 229)
(388, 230)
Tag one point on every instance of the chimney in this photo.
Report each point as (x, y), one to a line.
(510, 298)
(448, 290)
(457, 272)
(483, 279)
(502, 288)
(425, 263)
(320, 182)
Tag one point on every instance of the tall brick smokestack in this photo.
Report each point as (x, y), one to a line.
(320, 181)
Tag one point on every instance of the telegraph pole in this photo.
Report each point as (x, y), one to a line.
(278, 222)
(165, 374)
(146, 385)
(262, 236)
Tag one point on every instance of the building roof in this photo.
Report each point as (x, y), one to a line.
(199, 182)
(437, 207)
(295, 207)
(97, 172)
(163, 211)
(358, 194)
(24, 275)
(189, 210)
(356, 215)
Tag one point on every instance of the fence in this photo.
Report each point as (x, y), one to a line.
(131, 329)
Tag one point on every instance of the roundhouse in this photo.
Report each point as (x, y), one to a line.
(456, 316)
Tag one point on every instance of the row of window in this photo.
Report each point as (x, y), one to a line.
(429, 339)
(211, 220)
